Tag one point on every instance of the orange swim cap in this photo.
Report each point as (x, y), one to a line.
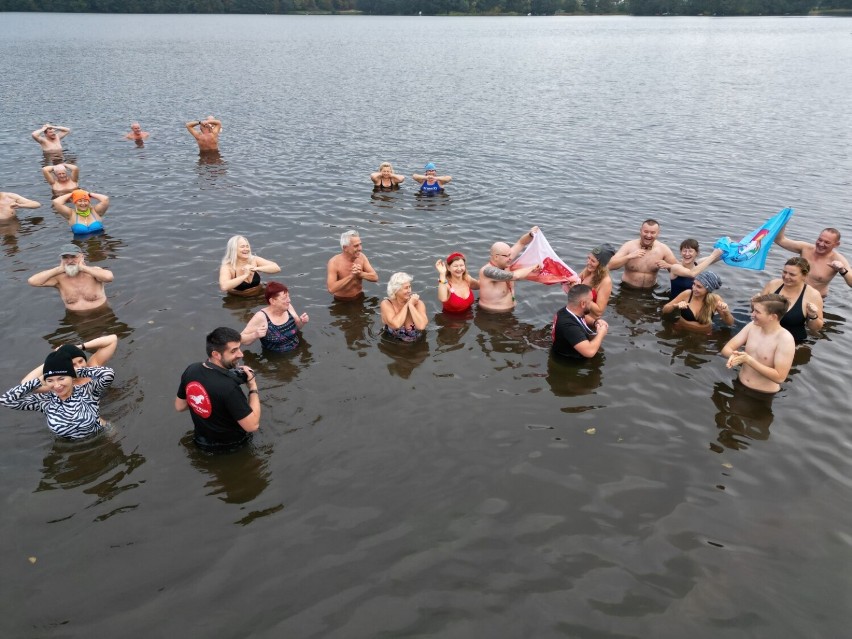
(79, 194)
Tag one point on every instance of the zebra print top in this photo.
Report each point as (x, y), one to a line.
(75, 418)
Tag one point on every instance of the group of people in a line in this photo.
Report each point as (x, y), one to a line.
(68, 386)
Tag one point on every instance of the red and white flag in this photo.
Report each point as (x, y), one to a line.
(553, 269)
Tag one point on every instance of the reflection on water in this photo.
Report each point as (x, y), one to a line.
(743, 415)
(405, 356)
(569, 379)
(77, 326)
(99, 466)
(238, 477)
(642, 307)
(280, 367)
(356, 319)
(501, 333)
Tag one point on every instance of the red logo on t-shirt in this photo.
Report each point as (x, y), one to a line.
(198, 400)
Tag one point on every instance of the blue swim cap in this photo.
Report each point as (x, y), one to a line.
(430, 167)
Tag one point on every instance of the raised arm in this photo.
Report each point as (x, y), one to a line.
(255, 329)
(266, 266)
(20, 202)
(47, 277)
(814, 318)
(75, 171)
(420, 179)
(102, 349)
(190, 126)
(36, 135)
(60, 207)
(794, 246)
(522, 242)
(443, 179)
(100, 274)
(103, 203)
(49, 175)
(62, 131)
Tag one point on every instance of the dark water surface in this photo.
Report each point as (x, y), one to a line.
(466, 486)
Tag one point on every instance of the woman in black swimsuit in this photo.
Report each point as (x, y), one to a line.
(698, 304)
(805, 311)
(385, 179)
(240, 271)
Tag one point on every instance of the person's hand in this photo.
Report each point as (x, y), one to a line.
(414, 298)
(252, 376)
(601, 327)
(536, 269)
(721, 307)
(737, 358)
(357, 270)
(682, 305)
(637, 253)
(837, 265)
(441, 268)
(261, 330)
(533, 231)
(304, 318)
(812, 309)
(663, 265)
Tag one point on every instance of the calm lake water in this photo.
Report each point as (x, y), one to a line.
(467, 486)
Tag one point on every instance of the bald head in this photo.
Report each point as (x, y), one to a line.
(500, 248)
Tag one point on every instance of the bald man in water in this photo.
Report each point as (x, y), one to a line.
(137, 134)
(496, 281)
(9, 202)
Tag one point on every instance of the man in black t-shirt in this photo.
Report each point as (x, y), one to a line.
(571, 336)
(222, 416)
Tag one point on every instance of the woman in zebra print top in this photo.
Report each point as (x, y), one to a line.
(72, 410)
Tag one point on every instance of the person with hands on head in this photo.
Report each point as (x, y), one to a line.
(825, 260)
(455, 285)
(83, 218)
(278, 325)
(207, 135)
(11, 202)
(348, 269)
(385, 179)
(222, 417)
(61, 182)
(698, 305)
(403, 312)
(763, 349)
(239, 273)
(49, 137)
(72, 409)
(497, 281)
(80, 286)
(102, 349)
(571, 334)
(804, 301)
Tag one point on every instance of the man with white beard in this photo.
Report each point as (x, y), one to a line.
(80, 286)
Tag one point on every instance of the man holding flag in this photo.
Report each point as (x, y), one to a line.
(825, 261)
(496, 281)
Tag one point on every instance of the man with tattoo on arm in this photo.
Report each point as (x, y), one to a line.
(496, 281)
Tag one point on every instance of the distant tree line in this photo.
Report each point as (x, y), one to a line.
(435, 7)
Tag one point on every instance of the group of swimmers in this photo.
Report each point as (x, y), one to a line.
(67, 387)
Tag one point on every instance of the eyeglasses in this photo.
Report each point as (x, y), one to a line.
(502, 255)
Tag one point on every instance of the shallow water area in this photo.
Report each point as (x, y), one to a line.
(465, 485)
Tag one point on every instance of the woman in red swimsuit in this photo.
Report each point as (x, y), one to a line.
(455, 285)
(596, 276)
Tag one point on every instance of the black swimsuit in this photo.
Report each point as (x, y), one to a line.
(794, 319)
(244, 286)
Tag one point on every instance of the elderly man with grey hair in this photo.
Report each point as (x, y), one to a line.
(348, 269)
(80, 286)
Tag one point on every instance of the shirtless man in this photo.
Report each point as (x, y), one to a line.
(207, 135)
(824, 260)
(11, 201)
(496, 281)
(137, 134)
(61, 182)
(80, 286)
(48, 138)
(348, 269)
(639, 257)
(769, 347)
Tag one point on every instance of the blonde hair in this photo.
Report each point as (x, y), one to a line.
(385, 164)
(231, 252)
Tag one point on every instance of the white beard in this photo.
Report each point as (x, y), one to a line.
(71, 270)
